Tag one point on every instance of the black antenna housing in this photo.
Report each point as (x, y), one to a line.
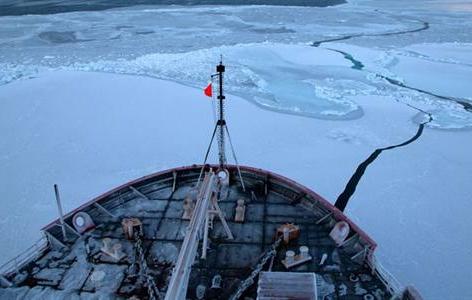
(220, 69)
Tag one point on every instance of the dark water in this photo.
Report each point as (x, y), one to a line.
(351, 186)
(41, 7)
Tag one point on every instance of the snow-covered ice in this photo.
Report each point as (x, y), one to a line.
(89, 100)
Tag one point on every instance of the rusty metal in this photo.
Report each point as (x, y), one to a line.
(288, 232)
(131, 226)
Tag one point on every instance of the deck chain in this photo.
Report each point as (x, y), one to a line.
(153, 291)
(246, 283)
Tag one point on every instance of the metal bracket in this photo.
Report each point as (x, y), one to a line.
(138, 193)
(72, 230)
(174, 175)
(363, 251)
(53, 240)
(323, 218)
(222, 219)
(349, 240)
(253, 196)
(5, 282)
(298, 199)
(266, 185)
(104, 210)
(67, 226)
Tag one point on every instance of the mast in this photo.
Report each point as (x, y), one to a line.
(220, 69)
(221, 128)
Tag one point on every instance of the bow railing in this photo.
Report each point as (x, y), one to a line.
(26, 256)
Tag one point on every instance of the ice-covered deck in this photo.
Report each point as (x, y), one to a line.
(80, 268)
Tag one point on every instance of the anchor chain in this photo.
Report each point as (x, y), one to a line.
(246, 283)
(153, 291)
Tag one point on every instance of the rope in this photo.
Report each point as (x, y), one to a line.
(206, 155)
(235, 159)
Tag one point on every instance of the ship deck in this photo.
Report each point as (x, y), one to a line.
(157, 200)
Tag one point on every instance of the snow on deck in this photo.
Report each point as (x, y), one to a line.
(83, 268)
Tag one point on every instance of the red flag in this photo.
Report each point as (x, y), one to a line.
(208, 90)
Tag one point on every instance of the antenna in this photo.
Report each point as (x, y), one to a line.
(221, 127)
(220, 69)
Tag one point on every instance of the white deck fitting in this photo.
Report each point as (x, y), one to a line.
(298, 260)
(286, 285)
